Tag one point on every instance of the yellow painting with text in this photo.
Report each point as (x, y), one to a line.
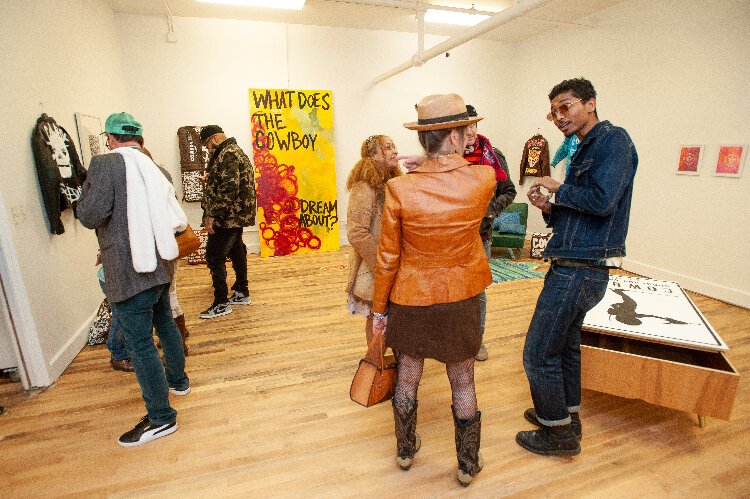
(295, 170)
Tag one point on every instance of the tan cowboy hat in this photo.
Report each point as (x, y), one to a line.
(441, 111)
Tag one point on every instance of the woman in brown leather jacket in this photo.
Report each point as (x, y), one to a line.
(431, 269)
(366, 186)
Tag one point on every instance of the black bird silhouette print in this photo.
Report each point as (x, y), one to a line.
(625, 313)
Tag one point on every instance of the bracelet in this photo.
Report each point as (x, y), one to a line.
(378, 316)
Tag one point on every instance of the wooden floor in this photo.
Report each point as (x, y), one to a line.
(269, 413)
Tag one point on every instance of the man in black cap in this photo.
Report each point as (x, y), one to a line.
(479, 151)
(228, 206)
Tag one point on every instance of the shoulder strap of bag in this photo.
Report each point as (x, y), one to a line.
(376, 350)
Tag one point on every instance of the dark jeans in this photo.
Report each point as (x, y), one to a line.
(136, 316)
(552, 353)
(220, 245)
(115, 339)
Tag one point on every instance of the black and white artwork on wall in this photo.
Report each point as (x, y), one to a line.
(90, 137)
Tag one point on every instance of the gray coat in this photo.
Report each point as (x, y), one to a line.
(103, 207)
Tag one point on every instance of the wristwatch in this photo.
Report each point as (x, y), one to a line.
(378, 316)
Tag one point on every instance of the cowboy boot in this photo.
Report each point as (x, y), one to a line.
(407, 438)
(467, 447)
(184, 333)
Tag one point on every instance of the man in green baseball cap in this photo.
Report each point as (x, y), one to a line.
(123, 124)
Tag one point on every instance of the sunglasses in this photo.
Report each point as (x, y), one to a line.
(563, 109)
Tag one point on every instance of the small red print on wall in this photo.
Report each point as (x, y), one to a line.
(689, 159)
(730, 160)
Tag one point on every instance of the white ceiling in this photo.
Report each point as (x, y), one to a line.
(343, 13)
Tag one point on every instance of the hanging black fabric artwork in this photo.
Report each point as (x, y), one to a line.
(193, 161)
(58, 166)
(535, 160)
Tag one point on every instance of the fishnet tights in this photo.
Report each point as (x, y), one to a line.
(460, 374)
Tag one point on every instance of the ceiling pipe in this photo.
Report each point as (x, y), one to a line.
(171, 35)
(521, 8)
(414, 5)
(420, 30)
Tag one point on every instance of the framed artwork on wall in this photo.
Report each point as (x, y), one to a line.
(730, 160)
(89, 135)
(690, 160)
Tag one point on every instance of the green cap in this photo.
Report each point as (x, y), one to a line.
(123, 124)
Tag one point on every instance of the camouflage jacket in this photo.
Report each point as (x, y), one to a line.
(229, 193)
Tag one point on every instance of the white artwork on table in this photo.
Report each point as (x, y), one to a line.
(652, 310)
(90, 137)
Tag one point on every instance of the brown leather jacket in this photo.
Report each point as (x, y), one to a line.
(430, 250)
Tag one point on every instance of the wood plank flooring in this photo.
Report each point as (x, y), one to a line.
(269, 413)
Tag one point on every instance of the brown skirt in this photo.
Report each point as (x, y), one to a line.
(447, 332)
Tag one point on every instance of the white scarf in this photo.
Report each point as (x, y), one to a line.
(154, 215)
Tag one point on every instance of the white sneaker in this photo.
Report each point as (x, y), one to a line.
(216, 310)
(177, 391)
(240, 299)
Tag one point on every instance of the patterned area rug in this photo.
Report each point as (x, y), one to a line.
(505, 270)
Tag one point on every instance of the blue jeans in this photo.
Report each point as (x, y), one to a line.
(552, 353)
(222, 243)
(483, 295)
(137, 315)
(115, 340)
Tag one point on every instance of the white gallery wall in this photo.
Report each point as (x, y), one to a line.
(204, 78)
(670, 72)
(57, 59)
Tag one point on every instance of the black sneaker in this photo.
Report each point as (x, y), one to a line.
(550, 441)
(216, 310)
(145, 431)
(575, 422)
(239, 298)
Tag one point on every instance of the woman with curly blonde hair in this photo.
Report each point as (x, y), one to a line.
(366, 186)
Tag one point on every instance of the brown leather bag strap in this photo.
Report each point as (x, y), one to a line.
(376, 350)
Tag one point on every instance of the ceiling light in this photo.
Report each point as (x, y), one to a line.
(270, 4)
(448, 17)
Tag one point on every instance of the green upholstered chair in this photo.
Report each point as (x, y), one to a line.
(512, 240)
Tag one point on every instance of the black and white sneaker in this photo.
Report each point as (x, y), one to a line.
(145, 431)
(177, 391)
(216, 310)
(239, 298)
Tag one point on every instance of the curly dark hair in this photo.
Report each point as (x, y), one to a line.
(579, 87)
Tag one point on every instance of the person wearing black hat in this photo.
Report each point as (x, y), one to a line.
(479, 151)
(228, 206)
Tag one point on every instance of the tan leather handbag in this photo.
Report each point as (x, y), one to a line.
(187, 242)
(375, 379)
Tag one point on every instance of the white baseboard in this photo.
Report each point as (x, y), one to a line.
(62, 359)
(724, 293)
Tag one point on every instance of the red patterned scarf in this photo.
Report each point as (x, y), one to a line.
(481, 153)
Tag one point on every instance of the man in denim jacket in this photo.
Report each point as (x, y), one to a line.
(590, 217)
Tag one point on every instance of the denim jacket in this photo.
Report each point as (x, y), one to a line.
(591, 211)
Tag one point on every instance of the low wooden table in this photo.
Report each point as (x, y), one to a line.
(646, 340)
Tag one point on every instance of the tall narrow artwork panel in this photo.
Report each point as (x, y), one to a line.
(193, 160)
(90, 137)
(295, 170)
